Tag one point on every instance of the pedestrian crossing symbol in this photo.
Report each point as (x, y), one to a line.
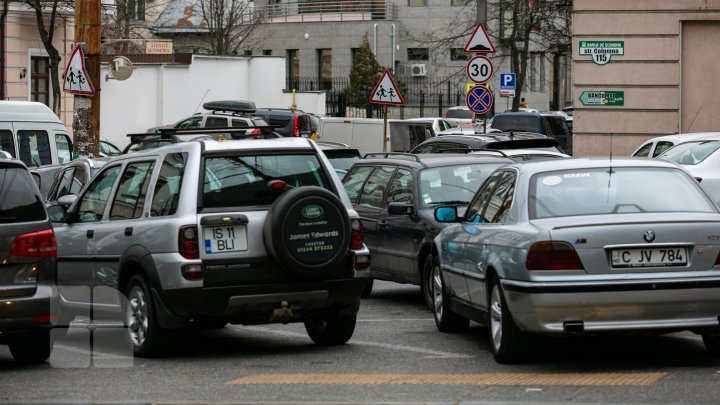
(386, 92)
(76, 79)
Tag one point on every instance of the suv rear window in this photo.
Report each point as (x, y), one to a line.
(509, 123)
(242, 180)
(19, 201)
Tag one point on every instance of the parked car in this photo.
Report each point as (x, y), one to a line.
(524, 154)
(656, 146)
(109, 149)
(44, 176)
(73, 177)
(502, 141)
(459, 114)
(700, 157)
(205, 233)
(580, 246)
(341, 156)
(395, 195)
(220, 114)
(437, 124)
(27, 263)
(549, 124)
(31, 132)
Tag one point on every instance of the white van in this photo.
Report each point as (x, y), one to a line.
(366, 134)
(31, 132)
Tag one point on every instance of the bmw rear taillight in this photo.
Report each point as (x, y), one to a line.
(296, 131)
(36, 244)
(549, 255)
(356, 238)
(188, 242)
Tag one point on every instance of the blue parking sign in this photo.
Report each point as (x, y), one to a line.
(507, 81)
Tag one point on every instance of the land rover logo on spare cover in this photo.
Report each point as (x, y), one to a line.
(312, 211)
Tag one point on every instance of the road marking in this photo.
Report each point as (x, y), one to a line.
(429, 354)
(586, 379)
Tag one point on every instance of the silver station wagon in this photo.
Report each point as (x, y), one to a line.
(205, 233)
(575, 246)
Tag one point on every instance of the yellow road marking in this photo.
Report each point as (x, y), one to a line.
(470, 379)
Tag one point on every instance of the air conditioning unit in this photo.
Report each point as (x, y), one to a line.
(418, 69)
(402, 69)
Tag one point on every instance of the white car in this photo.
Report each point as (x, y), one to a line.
(438, 124)
(656, 146)
(700, 157)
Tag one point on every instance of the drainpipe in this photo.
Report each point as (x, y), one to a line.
(375, 39)
(3, 57)
(392, 49)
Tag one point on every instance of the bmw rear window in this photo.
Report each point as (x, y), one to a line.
(245, 180)
(19, 199)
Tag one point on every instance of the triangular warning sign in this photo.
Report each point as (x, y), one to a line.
(76, 79)
(480, 41)
(386, 92)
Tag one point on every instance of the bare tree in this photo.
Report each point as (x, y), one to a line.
(517, 28)
(48, 14)
(231, 24)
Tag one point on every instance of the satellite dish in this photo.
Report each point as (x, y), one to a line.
(119, 69)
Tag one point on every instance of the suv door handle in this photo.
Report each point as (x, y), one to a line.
(128, 231)
(382, 223)
(90, 233)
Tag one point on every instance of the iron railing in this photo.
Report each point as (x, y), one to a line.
(338, 10)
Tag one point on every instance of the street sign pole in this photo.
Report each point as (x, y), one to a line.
(86, 114)
(384, 127)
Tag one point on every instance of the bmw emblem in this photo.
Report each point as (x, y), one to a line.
(649, 236)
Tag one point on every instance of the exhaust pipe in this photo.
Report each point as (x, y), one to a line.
(573, 327)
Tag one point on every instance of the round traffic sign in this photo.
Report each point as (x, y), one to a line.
(479, 99)
(479, 69)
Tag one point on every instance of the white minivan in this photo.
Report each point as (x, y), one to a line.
(31, 132)
(366, 134)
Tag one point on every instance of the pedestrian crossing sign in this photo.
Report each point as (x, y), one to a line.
(386, 92)
(76, 79)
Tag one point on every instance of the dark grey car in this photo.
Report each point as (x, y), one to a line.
(27, 265)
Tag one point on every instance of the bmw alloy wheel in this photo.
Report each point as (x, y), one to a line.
(496, 315)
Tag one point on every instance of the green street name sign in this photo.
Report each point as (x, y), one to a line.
(603, 98)
(601, 51)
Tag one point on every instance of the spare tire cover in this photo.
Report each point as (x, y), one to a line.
(307, 230)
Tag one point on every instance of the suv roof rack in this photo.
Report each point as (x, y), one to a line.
(389, 154)
(233, 106)
(469, 150)
(166, 133)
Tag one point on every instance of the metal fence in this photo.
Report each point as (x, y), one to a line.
(424, 97)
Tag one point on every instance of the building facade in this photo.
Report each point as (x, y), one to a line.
(655, 71)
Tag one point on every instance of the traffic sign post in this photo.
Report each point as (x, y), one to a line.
(480, 41)
(479, 69)
(386, 92)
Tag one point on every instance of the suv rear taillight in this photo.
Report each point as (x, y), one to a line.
(36, 244)
(188, 242)
(296, 131)
(356, 238)
(549, 255)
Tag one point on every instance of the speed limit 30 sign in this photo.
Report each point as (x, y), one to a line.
(479, 69)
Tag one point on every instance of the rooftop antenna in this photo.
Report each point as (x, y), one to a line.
(693, 120)
(611, 170)
(201, 100)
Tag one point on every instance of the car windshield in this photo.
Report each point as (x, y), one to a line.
(243, 180)
(626, 190)
(691, 153)
(341, 161)
(453, 184)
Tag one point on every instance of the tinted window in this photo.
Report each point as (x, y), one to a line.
(216, 122)
(496, 205)
(242, 180)
(425, 149)
(167, 187)
(34, 147)
(458, 113)
(644, 151)
(401, 188)
(627, 190)
(6, 142)
(661, 147)
(691, 153)
(354, 180)
(192, 122)
(62, 143)
(130, 195)
(453, 184)
(109, 149)
(342, 161)
(92, 205)
(239, 124)
(482, 199)
(19, 199)
(375, 187)
(558, 125)
(516, 123)
(283, 122)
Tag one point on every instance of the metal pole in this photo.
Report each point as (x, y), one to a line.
(86, 117)
(375, 39)
(392, 50)
(385, 135)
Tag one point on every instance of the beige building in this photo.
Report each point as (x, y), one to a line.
(643, 68)
(24, 73)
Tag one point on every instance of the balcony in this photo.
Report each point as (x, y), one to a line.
(326, 11)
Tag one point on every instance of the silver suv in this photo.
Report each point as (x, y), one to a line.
(205, 233)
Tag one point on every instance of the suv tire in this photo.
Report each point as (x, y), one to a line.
(33, 347)
(291, 220)
(331, 330)
(143, 330)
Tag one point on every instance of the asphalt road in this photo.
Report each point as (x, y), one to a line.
(395, 356)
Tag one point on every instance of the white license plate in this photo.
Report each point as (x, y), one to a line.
(656, 257)
(221, 239)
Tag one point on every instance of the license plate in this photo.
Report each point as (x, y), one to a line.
(221, 239)
(656, 257)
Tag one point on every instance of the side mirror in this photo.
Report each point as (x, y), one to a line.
(66, 200)
(446, 214)
(400, 208)
(57, 213)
